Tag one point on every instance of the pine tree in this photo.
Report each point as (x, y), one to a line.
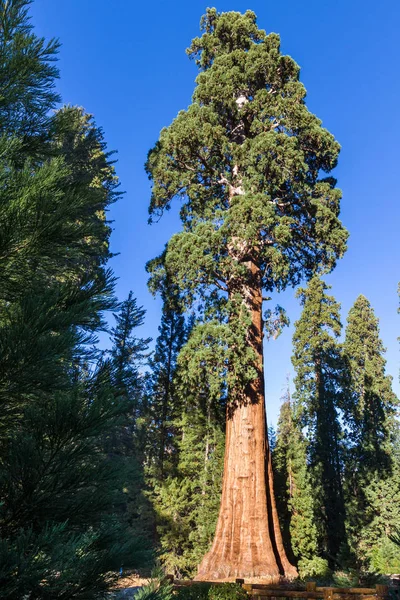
(184, 447)
(246, 159)
(128, 352)
(124, 443)
(187, 500)
(164, 405)
(318, 365)
(293, 488)
(375, 550)
(57, 521)
(369, 407)
(27, 74)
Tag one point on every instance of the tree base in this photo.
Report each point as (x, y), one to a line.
(278, 579)
(214, 570)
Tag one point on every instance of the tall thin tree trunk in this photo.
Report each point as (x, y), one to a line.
(248, 541)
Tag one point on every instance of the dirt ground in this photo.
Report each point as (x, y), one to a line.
(129, 581)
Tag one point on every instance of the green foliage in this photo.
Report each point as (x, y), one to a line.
(246, 160)
(184, 443)
(128, 353)
(27, 73)
(381, 503)
(61, 534)
(318, 364)
(158, 588)
(385, 557)
(164, 403)
(227, 591)
(369, 403)
(372, 455)
(59, 562)
(205, 591)
(314, 568)
(292, 485)
(198, 591)
(187, 503)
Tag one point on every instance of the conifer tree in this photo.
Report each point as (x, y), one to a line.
(293, 488)
(246, 160)
(318, 365)
(187, 500)
(27, 75)
(164, 401)
(124, 443)
(369, 407)
(376, 550)
(57, 488)
(128, 352)
(184, 447)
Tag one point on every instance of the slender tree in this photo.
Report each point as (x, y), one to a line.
(164, 401)
(369, 406)
(245, 159)
(128, 352)
(295, 498)
(318, 365)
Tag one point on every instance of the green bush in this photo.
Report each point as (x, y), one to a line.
(227, 591)
(198, 591)
(206, 591)
(314, 568)
(385, 557)
(157, 589)
(349, 578)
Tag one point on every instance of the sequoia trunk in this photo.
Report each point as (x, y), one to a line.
(248, 541)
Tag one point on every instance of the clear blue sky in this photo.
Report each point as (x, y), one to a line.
(124, 61)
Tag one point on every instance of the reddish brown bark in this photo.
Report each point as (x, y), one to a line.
(248, 541)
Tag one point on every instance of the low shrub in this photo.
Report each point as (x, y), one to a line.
(227, 591)
(197, 591)
(158, 588)
(314, 568)
(348, 578)
(206, 591)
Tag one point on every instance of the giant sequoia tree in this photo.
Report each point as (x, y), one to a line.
(245, 159)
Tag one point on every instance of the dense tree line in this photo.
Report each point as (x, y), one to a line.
(336, 459)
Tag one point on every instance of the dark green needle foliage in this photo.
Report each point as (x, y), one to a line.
(294, 492)
(27, 74)
(129, 352)
(165, 404)
(318, 365)
(248, 162)
(369, 402)
(187, 501)
(184, 446)
(375, 550)
(369, 406)
(124, 442)
(58, 489)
